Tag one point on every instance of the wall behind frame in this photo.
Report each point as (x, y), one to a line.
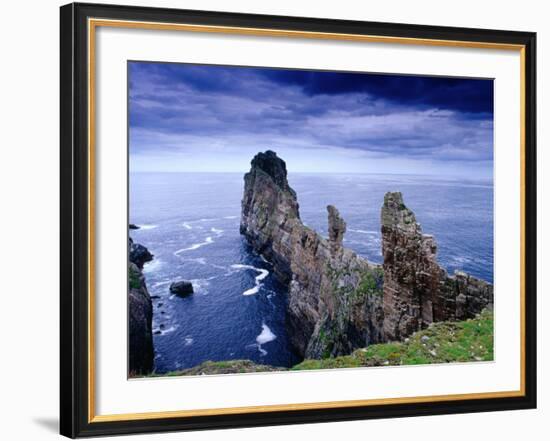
(29, 220)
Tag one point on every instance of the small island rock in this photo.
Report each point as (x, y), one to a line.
(182, 288)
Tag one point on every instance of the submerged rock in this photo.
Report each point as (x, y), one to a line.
(182, 288)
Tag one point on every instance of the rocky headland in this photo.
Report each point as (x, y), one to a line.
(140, 310)
(338, 301)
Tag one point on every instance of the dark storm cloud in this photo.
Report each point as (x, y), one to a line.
(468, 95)
(173, 106)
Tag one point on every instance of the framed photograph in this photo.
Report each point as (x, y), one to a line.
(275, 220)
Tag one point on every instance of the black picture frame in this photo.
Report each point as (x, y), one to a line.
(75, 415)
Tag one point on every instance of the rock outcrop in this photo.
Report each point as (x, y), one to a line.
(181, 288)
(335, 297)
(337, 301)
(140, 310)
(417, 291)
(138, 254)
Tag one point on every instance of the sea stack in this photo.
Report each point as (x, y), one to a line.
(140, 309)
(335, 297)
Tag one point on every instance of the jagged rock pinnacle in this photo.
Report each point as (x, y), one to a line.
(396, 215)
(417, 290)
(336, 230)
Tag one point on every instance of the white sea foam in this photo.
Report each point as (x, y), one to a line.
(164, 282)
(258, 279)
(216, 231)
(188, 225)
(231, 217)
(265, 337)
(200, 286)
(364, 231)
(188, 341)
(199, 260)
(158, 331)
(152, 266)
(147, 227)
(195, 246)
(251, 291)
(460, 260)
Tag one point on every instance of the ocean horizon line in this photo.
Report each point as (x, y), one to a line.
(290, 172)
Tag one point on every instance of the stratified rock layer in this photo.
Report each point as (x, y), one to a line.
(417, 291)
(335, 297)
(140, 309)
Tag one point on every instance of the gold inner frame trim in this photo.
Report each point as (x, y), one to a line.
(92, 25)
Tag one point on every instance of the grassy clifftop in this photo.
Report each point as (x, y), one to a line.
(222, 367)
(443, 342)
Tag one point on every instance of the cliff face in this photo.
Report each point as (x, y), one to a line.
(335, 297)
(417, 291)
(140, 309)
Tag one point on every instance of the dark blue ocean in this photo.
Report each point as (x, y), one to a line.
(190, 222)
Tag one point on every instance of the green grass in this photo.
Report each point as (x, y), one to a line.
(444, 342)
(221, 367)
(370, 283)
(133, 279)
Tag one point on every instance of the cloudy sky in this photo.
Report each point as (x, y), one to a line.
(213, 118)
